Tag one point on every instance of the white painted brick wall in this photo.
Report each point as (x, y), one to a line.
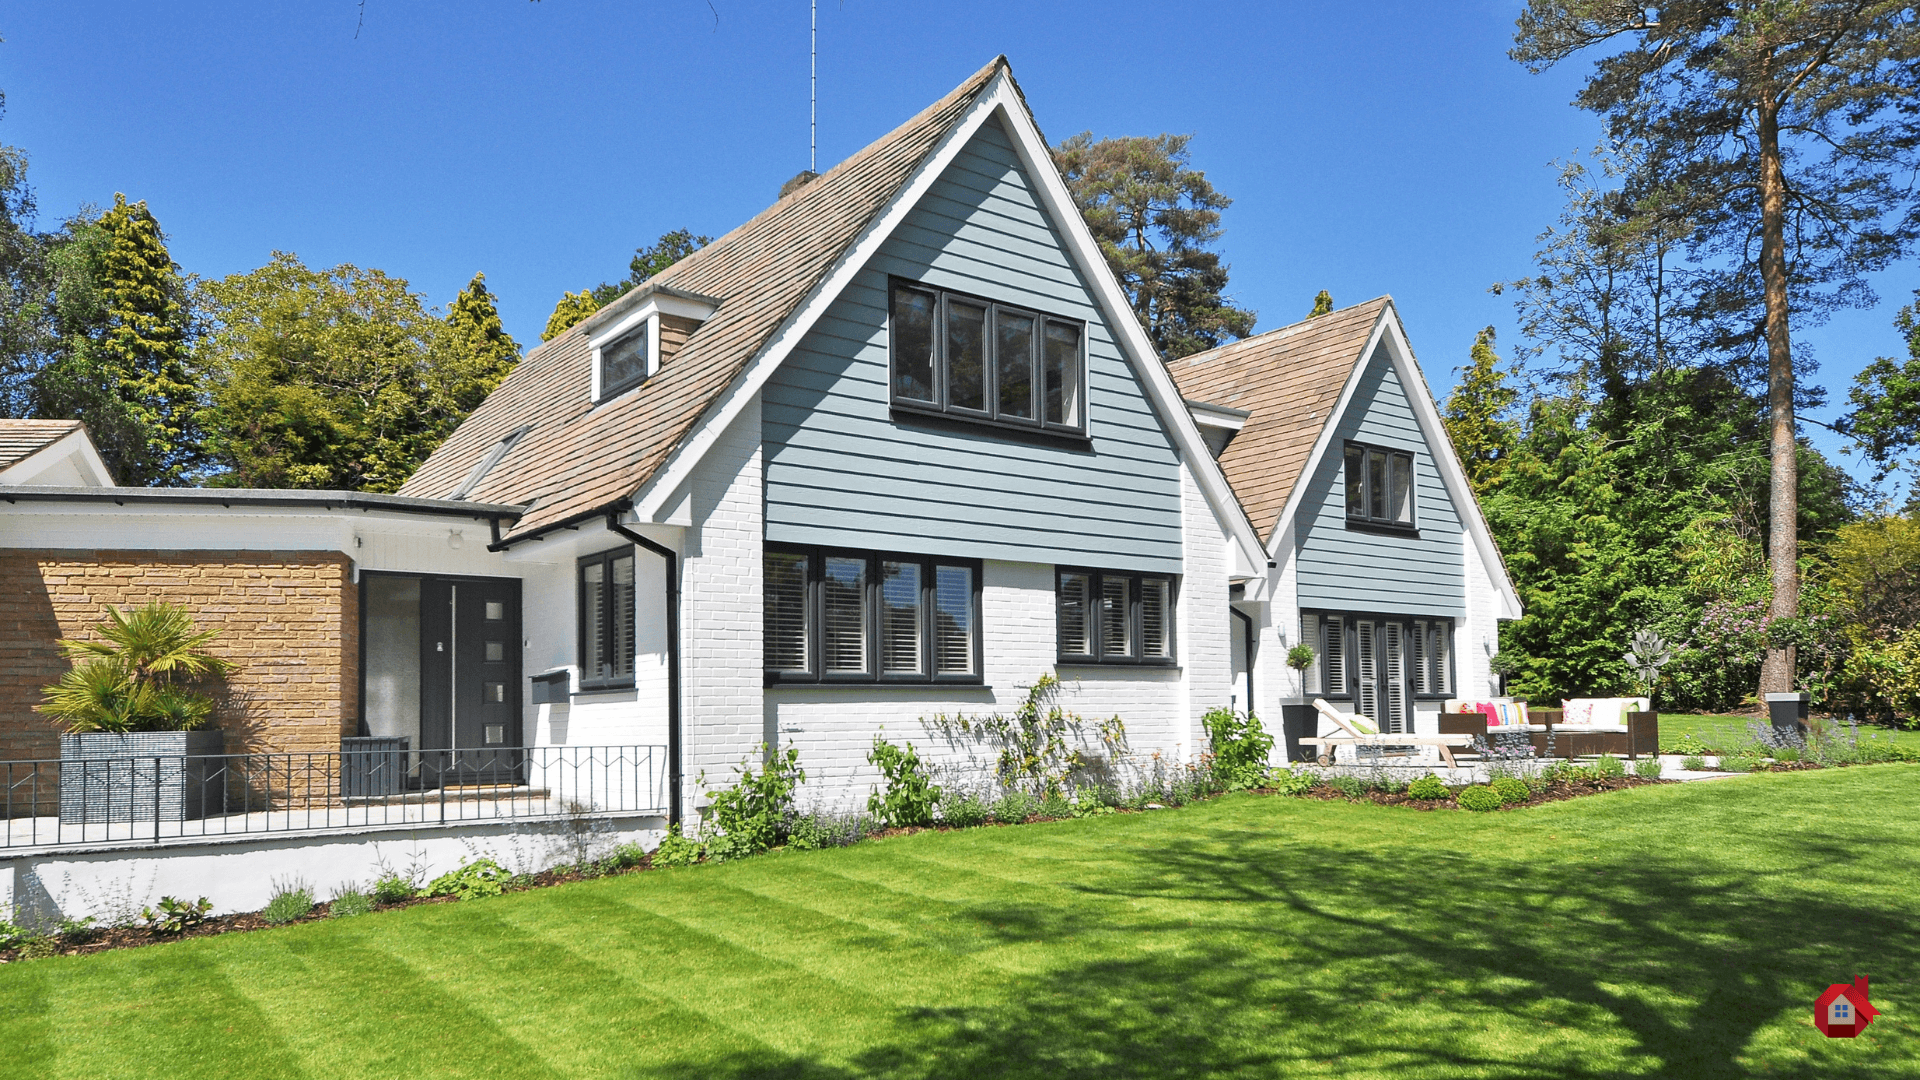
(1206, 625)
(723, 717)
(1479, 634)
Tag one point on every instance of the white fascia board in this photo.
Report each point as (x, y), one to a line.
(1387, 329)
(650, 501)
(1218, 416)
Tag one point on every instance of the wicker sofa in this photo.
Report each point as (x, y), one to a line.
(1581, 727)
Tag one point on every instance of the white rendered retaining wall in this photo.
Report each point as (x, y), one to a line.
(112, 883)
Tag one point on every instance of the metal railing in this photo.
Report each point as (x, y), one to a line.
(151, 798)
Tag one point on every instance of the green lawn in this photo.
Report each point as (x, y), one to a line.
(1675, 931)
(1725, 731)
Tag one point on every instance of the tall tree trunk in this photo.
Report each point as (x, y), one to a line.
(1783, 543)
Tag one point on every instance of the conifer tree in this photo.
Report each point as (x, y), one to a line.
(476, 352)
(123, 360)
(1476, 416)
(572, 308)
(1322, 305)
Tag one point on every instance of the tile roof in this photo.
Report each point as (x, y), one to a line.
(1289, 381)
(578, 459)
(20, 439)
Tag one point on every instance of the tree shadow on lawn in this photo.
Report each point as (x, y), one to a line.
(1310, 959)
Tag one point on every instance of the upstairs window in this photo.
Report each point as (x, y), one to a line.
(623, 362)
(965, 357)
(861, 616)
(606, 620)
(1109, 617)
(1379, 486)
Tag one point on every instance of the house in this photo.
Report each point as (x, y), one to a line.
(50, 453)
(889, 451)
(1843, 1010)
(1377, 555)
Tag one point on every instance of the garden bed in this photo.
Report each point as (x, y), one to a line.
(1556, 791)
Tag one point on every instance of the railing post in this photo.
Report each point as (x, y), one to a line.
(156, 800)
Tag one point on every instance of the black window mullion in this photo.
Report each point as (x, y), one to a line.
(816, 615)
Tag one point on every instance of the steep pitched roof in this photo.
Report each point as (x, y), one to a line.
(20, 439)
(578, 459)
(1289, 380)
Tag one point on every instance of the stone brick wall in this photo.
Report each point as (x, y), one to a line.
(289, 620)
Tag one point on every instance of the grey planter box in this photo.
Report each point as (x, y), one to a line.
(373, 765)
(141, 776)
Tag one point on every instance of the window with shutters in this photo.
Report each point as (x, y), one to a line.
(969, 358)
(1114, 617)
(1383, 663)
(864, 616)
(606, 620)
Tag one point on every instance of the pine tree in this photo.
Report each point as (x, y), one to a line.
(1322, 305)
(475, 356)
(124, 361)
(1475, 416)
(572, 308)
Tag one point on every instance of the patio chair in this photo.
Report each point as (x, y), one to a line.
(1359, 733)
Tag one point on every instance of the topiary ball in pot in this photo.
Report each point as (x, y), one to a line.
(1427, 787)
(1510, 789)
(1480, 797)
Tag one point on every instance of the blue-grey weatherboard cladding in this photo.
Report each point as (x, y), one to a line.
(840, 471)
(1347, 569)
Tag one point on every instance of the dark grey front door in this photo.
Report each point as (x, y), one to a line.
(470, 681)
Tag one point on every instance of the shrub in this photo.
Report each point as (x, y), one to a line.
(676, 850)
(393, 887)
(1055, 805)
(1350, 786)
(39, 947)
(627, 855)
(1687, 743)
(1480, 797)
(1739, 763)
(139, 676)
(174, 917)
(12, 936)
(78, 931)
(472, 880)
(1300, 657)
(1647, 768)
(824, 830)
(1694, 763)
(752, 815)
(1427, 787)
(1609, 767)
(910, 795)
(1511, 789)
(1015, 807)
(964, 811)
(1240, 746)
(291, 899)
(1292, 781)
(348, 903)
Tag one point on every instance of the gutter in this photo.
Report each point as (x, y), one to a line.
(232, 497)
(674, 774)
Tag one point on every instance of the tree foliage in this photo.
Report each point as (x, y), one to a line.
(1477, 417)
(569, 312)
(1322, 304)
(25, 292)
(1885, 400)
(1780, 136)
(122, 357)
(1156, 220)
(340, 378)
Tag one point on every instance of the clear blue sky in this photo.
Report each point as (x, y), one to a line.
(1369, 147)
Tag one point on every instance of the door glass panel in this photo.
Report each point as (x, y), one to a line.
(900, 617)
(1366, 657)
(496, 734)
(1013, 364)
(393, 656)
(496, 651)
(494, 693)
(966, 355)
(843, 634)
(953, 620)
(496, 611)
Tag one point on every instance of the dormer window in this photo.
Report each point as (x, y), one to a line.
(623, 362)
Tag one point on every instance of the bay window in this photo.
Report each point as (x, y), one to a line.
(862, 616)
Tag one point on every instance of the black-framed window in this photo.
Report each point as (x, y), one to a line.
(623, 362)
(966, 357)
(1382, 662)
(1114, 617)
(1379, 483)
(606, 619)
(866, 616)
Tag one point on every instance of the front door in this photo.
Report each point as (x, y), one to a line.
(469, 681)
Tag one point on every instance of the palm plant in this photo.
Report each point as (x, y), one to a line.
(139, 675)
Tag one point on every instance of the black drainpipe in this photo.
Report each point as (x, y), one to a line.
(1248, 651)
(673, 659)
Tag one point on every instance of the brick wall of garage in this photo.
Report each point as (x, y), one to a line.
(288, 620)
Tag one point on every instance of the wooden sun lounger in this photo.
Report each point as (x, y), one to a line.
(1328, 743)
